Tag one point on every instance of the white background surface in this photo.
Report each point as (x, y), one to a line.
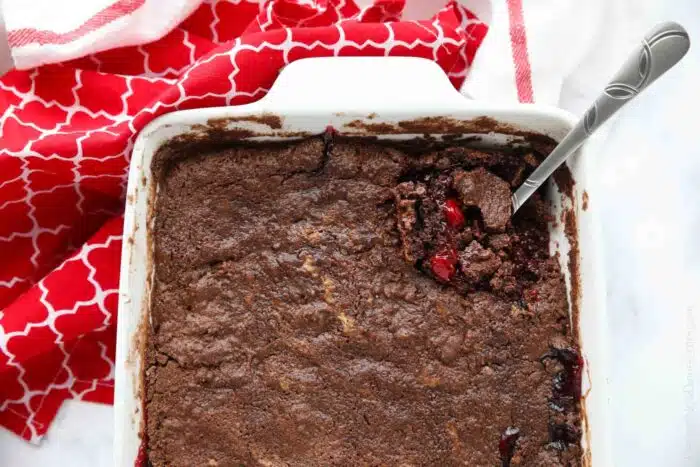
(649, 198)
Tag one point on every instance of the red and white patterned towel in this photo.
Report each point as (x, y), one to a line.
(67, 133)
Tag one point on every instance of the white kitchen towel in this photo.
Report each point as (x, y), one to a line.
(51, 31)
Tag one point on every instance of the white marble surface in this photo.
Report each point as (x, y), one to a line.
(81, 436)
(649, 195)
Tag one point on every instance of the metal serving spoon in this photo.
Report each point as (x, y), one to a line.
(661, 49)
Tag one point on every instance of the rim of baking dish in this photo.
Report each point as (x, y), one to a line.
(362, 96)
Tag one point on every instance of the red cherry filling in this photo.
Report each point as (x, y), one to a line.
(533, 295)
(453, 214)
(443, 264)
(568, 382)
(507, 443)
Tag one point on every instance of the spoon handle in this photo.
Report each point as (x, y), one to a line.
(661, 49)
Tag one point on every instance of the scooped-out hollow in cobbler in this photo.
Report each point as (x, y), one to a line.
(455, 226)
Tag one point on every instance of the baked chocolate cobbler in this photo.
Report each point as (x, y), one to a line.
(336, 302)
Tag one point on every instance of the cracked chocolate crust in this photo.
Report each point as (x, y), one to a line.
(297, 318)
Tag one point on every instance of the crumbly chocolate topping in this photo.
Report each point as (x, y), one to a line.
(351, 304)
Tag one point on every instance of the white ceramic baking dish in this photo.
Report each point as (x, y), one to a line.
(378, 93)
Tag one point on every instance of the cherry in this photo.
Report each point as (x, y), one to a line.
(533, 294)
(506, 445)
(567, 382)
(453, 214)
(443, 264)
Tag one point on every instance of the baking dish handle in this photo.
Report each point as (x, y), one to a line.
(360, 84)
